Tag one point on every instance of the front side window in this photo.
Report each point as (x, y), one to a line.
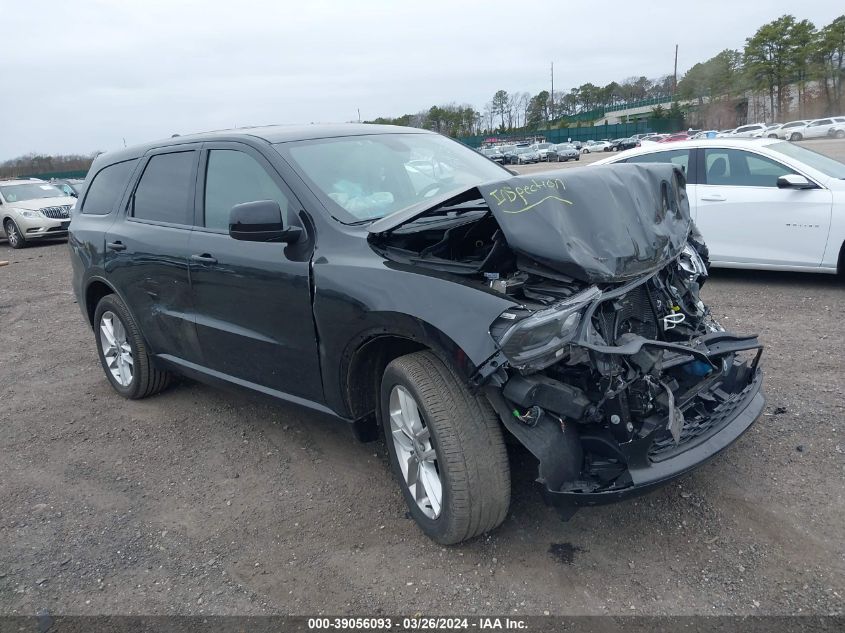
(164, 193)
(29, 191)
(107, 187)
(232, 178)
(362, 178)
(679, 157)
(738, 168)
(821, 122)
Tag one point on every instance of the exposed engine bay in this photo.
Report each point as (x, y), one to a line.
(612, 370)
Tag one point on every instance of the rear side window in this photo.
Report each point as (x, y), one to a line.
(165, 191)
(105, 190)
(233, 177)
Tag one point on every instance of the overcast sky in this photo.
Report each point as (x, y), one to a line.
(85, 75)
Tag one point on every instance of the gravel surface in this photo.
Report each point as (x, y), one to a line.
(204, 501)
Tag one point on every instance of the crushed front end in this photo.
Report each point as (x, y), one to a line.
(648, 387)
(611, 369)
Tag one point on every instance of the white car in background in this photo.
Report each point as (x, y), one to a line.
(791, 131)
(542, 150)
(755, 129)
(770, 131)
(596, 146)
(830, 127)
(32, 209)
(760, 203)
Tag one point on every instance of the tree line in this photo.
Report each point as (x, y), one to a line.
(45, 164)
(782, 56)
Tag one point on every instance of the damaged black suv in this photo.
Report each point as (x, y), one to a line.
(396, 279)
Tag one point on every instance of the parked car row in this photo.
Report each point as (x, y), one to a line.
(829, 127)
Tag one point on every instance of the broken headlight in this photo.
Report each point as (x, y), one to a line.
(539, 340)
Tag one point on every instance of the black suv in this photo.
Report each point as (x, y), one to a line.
(398, 280)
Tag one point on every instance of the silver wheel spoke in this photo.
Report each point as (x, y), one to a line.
(433, 487)
(414, 452)
(117, 352)
(428, 456)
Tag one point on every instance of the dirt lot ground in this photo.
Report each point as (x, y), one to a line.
(201, 501)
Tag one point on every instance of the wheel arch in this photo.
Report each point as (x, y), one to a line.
(840, 265)
(95, 290)
(363, 366)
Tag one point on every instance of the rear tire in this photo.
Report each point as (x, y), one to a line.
(469, 457)
(13, 234)
(133, 375)
(840, 134)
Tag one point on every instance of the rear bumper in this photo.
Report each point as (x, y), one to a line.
(646, 475)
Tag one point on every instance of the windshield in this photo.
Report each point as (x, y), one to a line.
(368, 177)
(819, 162)
(30, 191)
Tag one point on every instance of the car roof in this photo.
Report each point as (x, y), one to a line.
(729, 142)
(269, 133)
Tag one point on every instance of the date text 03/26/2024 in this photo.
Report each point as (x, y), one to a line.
(416, 624)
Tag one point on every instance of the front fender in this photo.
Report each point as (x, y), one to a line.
(357, 301)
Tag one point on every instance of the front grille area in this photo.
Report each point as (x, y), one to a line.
(698, 424)
(56, 213)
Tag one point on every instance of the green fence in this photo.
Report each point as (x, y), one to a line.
(592, 132)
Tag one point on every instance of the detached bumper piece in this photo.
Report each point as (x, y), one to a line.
(584, 460)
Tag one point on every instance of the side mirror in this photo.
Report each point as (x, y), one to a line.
(794, 181)
(261, 221)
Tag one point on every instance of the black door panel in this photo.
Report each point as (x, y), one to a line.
(148, 260)
(152, 272)
(252, 303)
(253, 314)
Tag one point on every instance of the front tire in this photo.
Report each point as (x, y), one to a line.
(795, 136)
(446, 449)
(840, 134)
(13, 234)
(123, 353)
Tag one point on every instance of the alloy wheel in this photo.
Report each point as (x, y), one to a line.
(116, 349)
(414, 452)
(12, 234)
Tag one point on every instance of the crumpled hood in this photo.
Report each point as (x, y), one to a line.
(597, 224)
(43, 203)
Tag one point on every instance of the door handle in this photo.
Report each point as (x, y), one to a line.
(205, 258)
(714, 197)
(116, 246)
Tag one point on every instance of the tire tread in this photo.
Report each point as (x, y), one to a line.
(470, 441)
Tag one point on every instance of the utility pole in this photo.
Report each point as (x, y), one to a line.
(552, 94)
(675, 76)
